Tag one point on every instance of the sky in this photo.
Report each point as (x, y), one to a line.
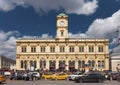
(31, 18)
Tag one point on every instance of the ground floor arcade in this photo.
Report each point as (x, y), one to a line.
(62, 62)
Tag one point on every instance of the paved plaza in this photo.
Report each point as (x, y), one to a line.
(55, 82)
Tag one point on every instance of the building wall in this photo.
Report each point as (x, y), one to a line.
(57, 55)
(115, 63)
(5, 62)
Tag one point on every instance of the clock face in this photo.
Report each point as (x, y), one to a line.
(62, 23)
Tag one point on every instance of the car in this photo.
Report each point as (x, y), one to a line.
(92, 77)
(113, 76)
(47, 75)
(2, 78)
(76, 74)
(59, 76)
(35, 74)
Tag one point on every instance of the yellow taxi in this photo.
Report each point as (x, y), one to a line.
(47, 75)
(2, 78)
(59, 76)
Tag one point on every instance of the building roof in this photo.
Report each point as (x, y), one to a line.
(115, 51)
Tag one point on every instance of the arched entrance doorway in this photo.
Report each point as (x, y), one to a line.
(52, 65)
(32, 65)
(42, 64)
(72, 66)
(61, 65)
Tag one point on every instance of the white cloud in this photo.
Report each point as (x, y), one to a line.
(42, 6)
(105, 28)
(43, 36)
(78, 35)
(86, 8)
(8, 44)
(7, 5)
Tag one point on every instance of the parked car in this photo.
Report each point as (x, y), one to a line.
(35, 74)
(19, 77)
(59, 76)
(2, 78)
(47, 75)
(76, 74)
(92, 77)
(113, 76)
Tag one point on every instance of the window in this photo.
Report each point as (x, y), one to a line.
(62, 49)
(23, 49)
(91, 63)
(100, 49)
(101, 64)
(81, 49)
(52, 49)
(71, 49)
(81, 64)
(33, 49)
(42, 64)
(62, 33)
(91, 49)
(42, 49)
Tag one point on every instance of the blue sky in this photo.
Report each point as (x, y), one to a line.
(24, 18)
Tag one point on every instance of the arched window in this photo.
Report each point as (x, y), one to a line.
(91, 63)
(101, 64)
(42, 64)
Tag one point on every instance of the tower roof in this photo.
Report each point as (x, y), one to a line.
(62, 14)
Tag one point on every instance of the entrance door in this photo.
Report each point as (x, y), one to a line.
(52, 65)
(72, 66)
(62, 65)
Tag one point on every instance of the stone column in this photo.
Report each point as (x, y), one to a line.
(106, 63)
(47, 64)
(38, 64)
(76, 64)
(28, 65)
(57, 64)
(67, 65)
(18, 64)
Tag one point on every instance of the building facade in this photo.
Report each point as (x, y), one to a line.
(62, 53)
(115, 59)
(6, 63)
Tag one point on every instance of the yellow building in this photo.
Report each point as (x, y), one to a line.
(62, 53)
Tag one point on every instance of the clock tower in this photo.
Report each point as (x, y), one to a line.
(62, 26)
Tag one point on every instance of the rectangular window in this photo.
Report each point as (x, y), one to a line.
(71, 49)
(62, 49)
(52, 49)
(33, 49)
(81, 49)
(91, 49)
(100, 49)
(42, 49)
(23, 49)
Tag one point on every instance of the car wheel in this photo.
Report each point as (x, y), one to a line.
(80, 80)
